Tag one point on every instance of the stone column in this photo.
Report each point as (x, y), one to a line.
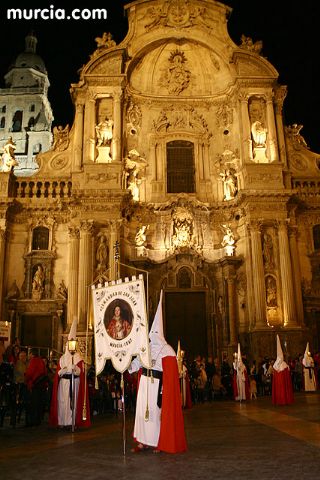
(116, 140)
(2, 256)
(289, 316)
(246, 130)
(272, 136)
(85, 272)
(229, 265)
(281, 94)
(89, 130)
(250, 291)
(78, 138)
(296, 274)
(73, 273)
(113, 239)
(258, 277)
(232, 310)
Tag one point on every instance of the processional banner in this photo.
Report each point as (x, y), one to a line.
(120, 323)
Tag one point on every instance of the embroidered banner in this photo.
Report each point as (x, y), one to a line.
(120, 323)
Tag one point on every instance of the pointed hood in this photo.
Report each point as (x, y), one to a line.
(73, 330)
(156, 333)
(279, 364)
(307, 358)
(66, 358)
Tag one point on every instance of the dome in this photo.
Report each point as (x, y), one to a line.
(29, 58)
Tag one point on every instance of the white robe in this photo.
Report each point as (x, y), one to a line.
(310, 384)
(64, 405)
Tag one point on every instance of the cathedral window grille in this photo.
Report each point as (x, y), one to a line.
(40, 238)
(184, 278)
(316, 237)
(180, 167)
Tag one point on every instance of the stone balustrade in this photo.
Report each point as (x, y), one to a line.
(26, 188)
(306, 186)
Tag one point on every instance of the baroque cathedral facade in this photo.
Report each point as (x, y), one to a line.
(178, 165)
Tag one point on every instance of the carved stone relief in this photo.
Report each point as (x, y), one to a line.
(176, 76)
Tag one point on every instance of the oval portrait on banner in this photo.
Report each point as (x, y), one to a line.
(118, 319)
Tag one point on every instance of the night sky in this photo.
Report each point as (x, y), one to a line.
(290, 31)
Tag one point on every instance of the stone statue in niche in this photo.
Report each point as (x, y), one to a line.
(271, 292)
(133, 173)
(268, 251)
(183, 225)
(229, 184)
(60, 138)
(141, 237)
(38, 283)
(8, 157)
(62, 291)
(258, 129)
(104, 133)
(228, 240)
(176, 77)
(102, 253)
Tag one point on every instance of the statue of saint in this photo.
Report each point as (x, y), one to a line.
(104, 132)
(38, 282)
(105, 41)
(8, 158)
(259, 134)
(60, 138)
(141, 236)
(229, 184)
(102, 253)
(62, 291)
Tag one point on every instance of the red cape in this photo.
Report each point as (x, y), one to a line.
(282, 391)
(79, 422)
(172, 436)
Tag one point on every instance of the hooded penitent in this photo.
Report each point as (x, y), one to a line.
(307, 358)
(66, 358)
(279, 364)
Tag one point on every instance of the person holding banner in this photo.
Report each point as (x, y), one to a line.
(159, 421)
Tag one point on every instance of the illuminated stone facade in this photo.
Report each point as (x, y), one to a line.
(178, 151)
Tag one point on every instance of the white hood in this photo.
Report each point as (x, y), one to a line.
(279, 365)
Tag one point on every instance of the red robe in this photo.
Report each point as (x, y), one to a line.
(282, 391)
(79, 422)
(172, 436)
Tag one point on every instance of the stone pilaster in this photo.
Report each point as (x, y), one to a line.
(258, 277)
(246, 130)
(73, 273)
(85, 272)
(281, 93)
(229, 265)
(2, 256)
(114, 236)
(272, 136)
(296, 274)
(289, 316)
(78, 138)
(89, 129)
(116, 140)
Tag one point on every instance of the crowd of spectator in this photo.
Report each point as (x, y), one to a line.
(26, 383)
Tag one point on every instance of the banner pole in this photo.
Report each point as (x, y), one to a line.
(123, 414)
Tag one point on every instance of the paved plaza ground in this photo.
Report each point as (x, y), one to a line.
(226, 440)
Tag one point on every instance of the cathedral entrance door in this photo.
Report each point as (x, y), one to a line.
(36, 330)
(185, 319)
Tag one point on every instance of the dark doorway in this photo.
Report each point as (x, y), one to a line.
(185, 319)
(36, 330)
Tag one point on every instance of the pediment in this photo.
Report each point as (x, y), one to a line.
(250, 64)
(106, 63)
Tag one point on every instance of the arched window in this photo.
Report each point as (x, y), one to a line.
(2, 122)
(180, 167)
(32, 108)
(316, 237)
(184, 278)
(17, 121)
(40, 238)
